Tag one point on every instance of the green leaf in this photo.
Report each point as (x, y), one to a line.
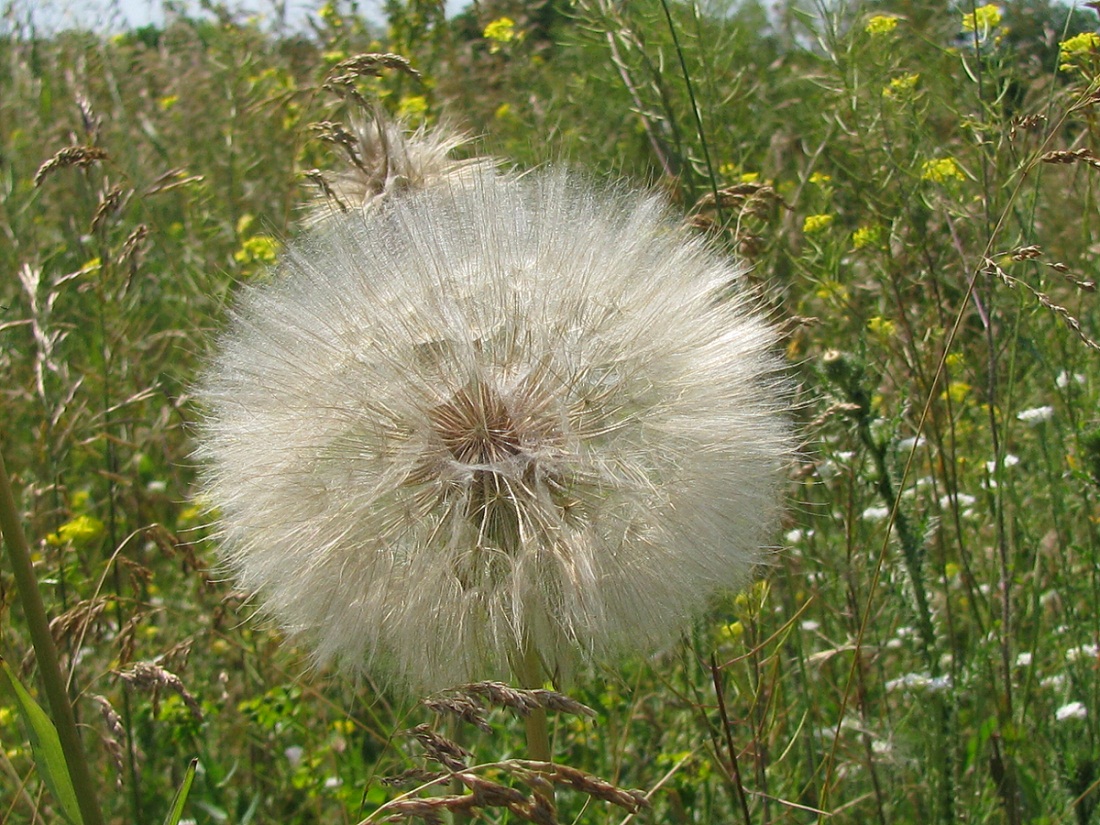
(176, 811)
(49, 759)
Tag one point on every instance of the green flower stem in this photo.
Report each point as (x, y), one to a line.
(529, 673)
(46, 652)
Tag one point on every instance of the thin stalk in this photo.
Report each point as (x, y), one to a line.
(694, 110)
(739, 786)
(45, 651)
(529, 673)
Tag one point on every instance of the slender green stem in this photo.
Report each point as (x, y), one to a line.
(46, 653)
(529, 673)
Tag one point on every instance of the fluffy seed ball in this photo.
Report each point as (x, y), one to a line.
(497, 414)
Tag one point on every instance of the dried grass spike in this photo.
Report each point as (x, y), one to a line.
(82, 156)
(149, 675)
(372, 65)
(117, 735)
(440, 749)
(467, 709)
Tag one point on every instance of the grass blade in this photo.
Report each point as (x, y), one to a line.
(175, 813)
(49, 758)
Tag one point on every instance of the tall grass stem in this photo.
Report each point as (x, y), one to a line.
(45, 650)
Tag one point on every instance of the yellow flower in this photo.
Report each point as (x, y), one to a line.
(866, 236)
(257, 249)
(881, 24)
(81, 530)
(500, 31)
(732, 631)
(815, 223)
(330, 15)
(1078, 50)
(882, 327)
(413, 108)
(983, 19)
(956, 391)
(955, 360)
(832, 291)
(901, 87)
(167, 102)
(750, 177)
(941, 170)
(820, 178)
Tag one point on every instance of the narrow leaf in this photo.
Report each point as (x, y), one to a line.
(49, 759)
(175, 813)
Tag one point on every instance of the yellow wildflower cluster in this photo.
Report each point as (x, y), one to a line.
(881, 24)
(259, 249)
(81, 530)
(882, 327)
(983, 19)
(815, 223)
(866, 236)
(832, 291)
(901, 87)
(956, 392)
(820, 178)
(1078, 51)
(941, 170)
(500, 31)
(412, 108)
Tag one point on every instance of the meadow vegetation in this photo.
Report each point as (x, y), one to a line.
(916, 192)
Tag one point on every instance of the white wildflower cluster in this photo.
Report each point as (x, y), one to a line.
(1036, 415)
(1085, 652)
(1072, 710)
(486, 413)
(915, 682)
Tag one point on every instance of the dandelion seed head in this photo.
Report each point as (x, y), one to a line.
(492, 412)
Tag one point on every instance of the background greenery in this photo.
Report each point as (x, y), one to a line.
(915, 186)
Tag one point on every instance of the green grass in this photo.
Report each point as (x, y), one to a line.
(931, 615)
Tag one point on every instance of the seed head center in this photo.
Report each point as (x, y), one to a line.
(476, 425)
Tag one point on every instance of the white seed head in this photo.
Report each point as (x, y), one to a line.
(497, 412)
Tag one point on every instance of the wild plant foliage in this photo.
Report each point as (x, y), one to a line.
(911, 188)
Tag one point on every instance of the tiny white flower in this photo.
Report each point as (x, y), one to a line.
(1055, 681)
(1065, 378)
(874, 514)
(906, 445)
(810, 625)
(919, 681)
(963, 499)
(1023, 659)
(1073, 710)
(1036, 415)
(294, 754)
(1086, 651)
(333, 782)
